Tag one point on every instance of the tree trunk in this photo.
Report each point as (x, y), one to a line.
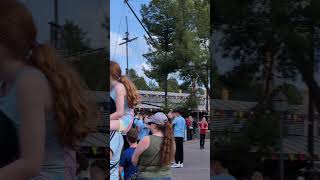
(269, 74)
(166, 91)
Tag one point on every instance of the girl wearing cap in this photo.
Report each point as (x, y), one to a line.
(126, 97)
(42, 97)
(155, 153)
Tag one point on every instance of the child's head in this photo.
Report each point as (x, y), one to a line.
(132, 136)
(133, 96)
(18, 43)
(98, 170)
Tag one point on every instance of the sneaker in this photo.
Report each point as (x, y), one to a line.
(175, 165)
(181, 165)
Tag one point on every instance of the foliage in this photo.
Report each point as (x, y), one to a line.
(73, 38)
(292, 92)
(192, 41)
(140, 82)
(74, 41)
(181, 35)
(277, 37)
(242, 83)
(98, 79)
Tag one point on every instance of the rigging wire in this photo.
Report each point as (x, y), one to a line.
(116, 44)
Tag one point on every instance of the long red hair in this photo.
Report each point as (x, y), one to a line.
(18, 34)
(132, 92)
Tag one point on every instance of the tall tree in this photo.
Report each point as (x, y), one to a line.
(277, 36)
(74, 38)
(158, 18)
(192, 41)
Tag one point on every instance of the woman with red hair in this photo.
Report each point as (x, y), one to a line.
(42, 97)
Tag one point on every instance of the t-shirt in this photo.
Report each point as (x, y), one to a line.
(126, 163)
(116, 144)
(203, 127)
(189, 124)
(222, 177)
(144, 131)
(179, 126)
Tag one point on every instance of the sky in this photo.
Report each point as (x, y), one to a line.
(118, 12)
(89, 15)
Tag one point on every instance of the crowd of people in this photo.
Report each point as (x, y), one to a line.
(145, 145)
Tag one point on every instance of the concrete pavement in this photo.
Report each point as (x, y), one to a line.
(196, 162)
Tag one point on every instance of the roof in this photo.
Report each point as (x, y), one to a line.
(162, 93)
(147, 106)
(218, 104)
(299, 145)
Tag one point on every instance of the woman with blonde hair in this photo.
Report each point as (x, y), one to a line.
(42, 97)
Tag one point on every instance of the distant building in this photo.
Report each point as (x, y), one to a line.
(156, 99)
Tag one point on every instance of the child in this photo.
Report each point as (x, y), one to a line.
(126, 97)
(125, 161)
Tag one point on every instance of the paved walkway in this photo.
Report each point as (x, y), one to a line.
(196, 162)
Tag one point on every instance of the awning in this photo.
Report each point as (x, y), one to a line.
(147, 106)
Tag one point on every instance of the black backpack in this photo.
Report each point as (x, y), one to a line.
(9, 150)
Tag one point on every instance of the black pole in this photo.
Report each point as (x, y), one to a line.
(56, 21)
(127, 39)
(311, 110)
(134, 13)
(207, 94)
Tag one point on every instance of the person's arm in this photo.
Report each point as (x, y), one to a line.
(142, 146)
(120, 172)
(32, 95)
(122, 163)
(120, 93)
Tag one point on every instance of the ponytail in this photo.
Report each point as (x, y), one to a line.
(70, 106)
(167, 147)
(132, 92)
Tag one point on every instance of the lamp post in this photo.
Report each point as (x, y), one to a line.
(280, 104)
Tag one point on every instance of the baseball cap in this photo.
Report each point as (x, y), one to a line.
(158, 118)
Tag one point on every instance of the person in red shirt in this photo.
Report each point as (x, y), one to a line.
(203, 126)
(189, 125)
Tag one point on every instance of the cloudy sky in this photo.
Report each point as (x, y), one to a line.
(118, 13)
(88, 14)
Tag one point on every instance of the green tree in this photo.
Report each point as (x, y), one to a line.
(292, 92)
(74, 38)
(192, 41)
(140, 82)
(93, 70)
(278, 38)
(242, 82)
(92, 67)
(158, 18)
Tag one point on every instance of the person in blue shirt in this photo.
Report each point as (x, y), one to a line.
(179, 128)
(125, 161)
(142, 127)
